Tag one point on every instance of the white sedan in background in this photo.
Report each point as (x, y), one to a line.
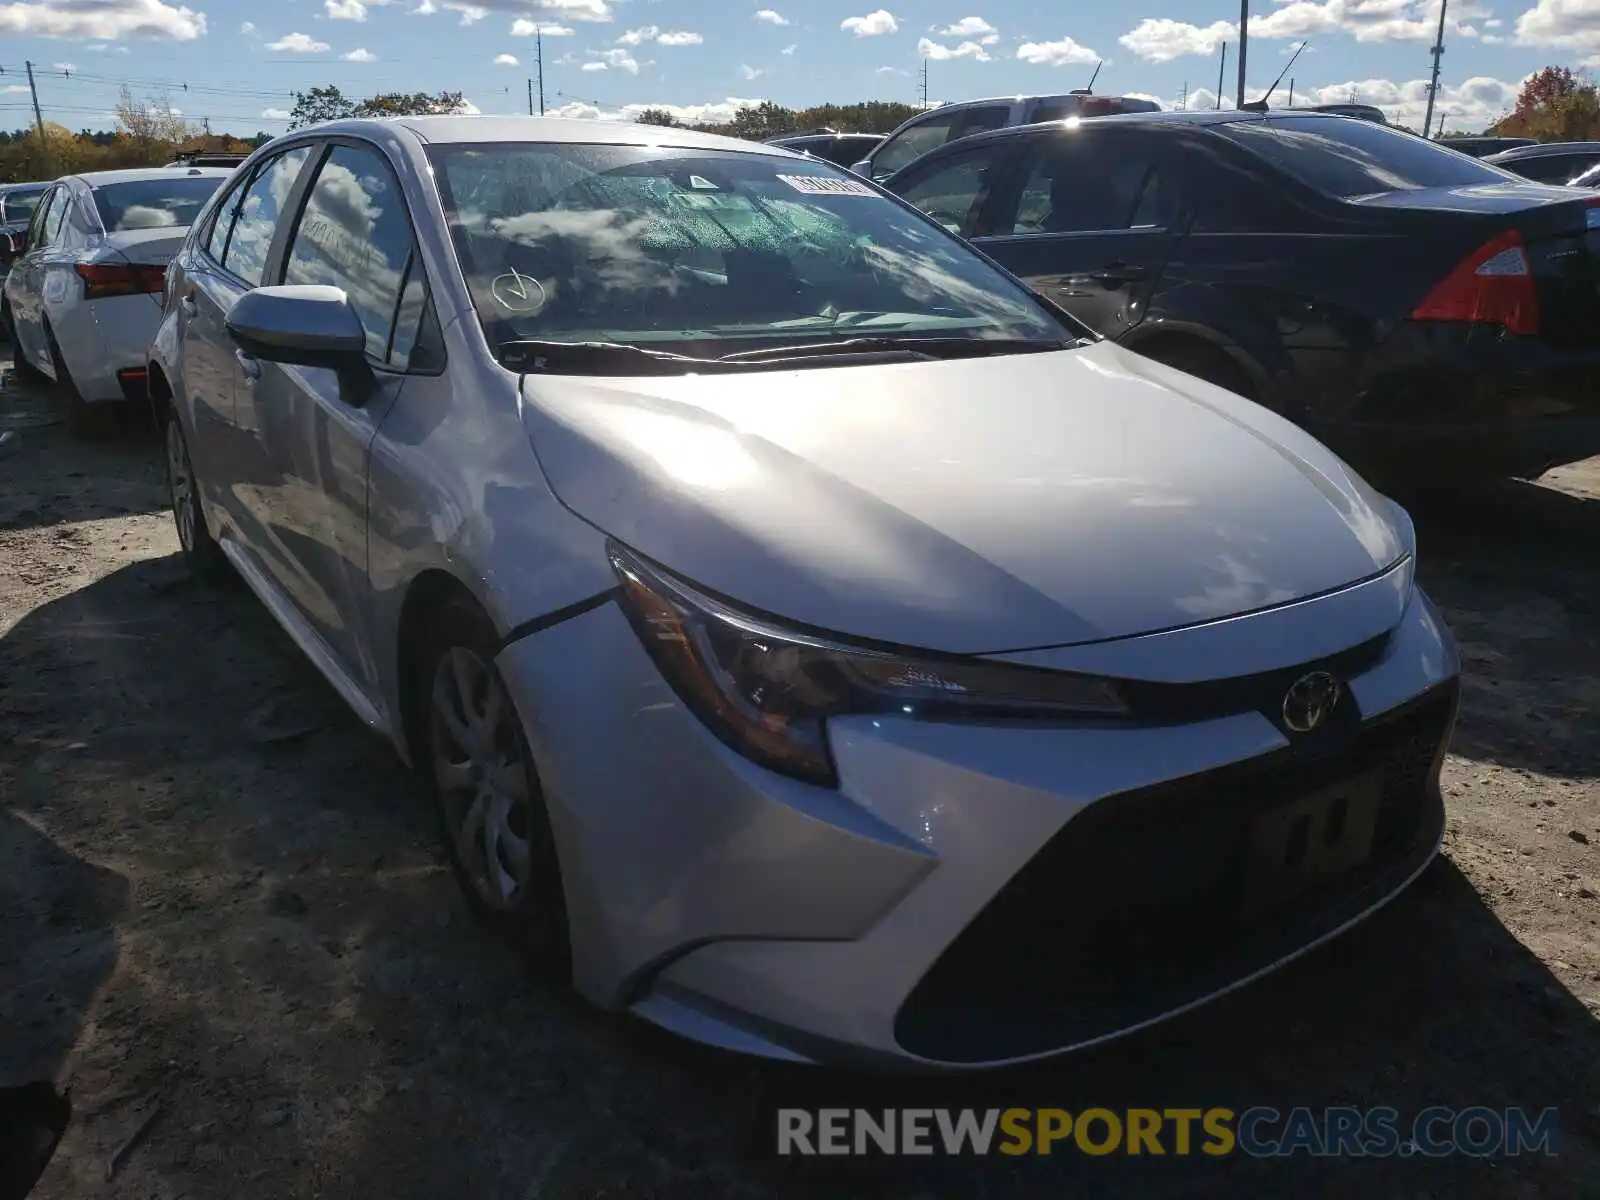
(85, 296)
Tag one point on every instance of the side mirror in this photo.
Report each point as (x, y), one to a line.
(308, 325)
(863, 168)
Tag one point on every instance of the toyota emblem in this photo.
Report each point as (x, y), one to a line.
(1309, 701)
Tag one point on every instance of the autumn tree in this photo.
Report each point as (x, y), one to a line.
(411, 104)
(1556, 104)
(657, 116)
(150, 120)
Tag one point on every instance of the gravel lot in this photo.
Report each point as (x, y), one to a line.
(220, 895)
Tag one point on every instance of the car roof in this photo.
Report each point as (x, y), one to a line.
(1227, 116)
(1545, 149)
(138, 174)
(447, 130)
(6, 188)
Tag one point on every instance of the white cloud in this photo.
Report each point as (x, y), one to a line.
(530, 12)
(662, 37)
(468, 109)
(275, 114)
(767, 16)
(748, 73)
(345, 10)
(616, 60)
(298, 43)
(1162, 40)
(104, 20)
(716, 112)
(1056, 54)
(940, 53)
(1146, 96)
(506, 60)
(1572, 25)
(1474, 104)
(248, 29)
(971, 27)
(425, 8)
(67, 68)
(522, 27)
(873, 24)
(788, 51)
(360, 55)
(891, 71)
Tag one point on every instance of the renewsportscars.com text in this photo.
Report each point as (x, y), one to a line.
(1259, 1132)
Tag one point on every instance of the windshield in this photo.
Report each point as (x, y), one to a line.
(1348, 158)
(154, 203)
(19, 206)
(710, 252)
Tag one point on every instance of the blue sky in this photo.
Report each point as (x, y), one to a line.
(242, 59)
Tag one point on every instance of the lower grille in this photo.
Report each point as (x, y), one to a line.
(1139, 905)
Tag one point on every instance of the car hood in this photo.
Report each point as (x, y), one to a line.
(970, 506)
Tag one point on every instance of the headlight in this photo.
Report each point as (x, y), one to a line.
(768, 691)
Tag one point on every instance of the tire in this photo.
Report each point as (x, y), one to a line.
(1204, 362)
(84, 420)
(486, 793)
(200, 551)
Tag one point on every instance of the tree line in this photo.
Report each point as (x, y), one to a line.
(1556, 104)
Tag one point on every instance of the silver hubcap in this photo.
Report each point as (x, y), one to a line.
(182, 484)
(482, 781)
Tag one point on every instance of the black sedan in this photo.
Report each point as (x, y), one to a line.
(1551, 162)
(841, 149)
(1432, 318)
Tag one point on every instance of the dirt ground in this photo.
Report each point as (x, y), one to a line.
(220, 896)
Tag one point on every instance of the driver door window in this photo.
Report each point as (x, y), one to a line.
(355, 234)
(953, 191)
(1074, 187)
(913, 143)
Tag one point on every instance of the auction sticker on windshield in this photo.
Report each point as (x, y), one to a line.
(821, 185)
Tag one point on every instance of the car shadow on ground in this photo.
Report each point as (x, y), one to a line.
(66, 480)
(301, 986)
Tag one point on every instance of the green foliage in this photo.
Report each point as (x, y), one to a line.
(766, 120)
(330, 104)
(657, 116)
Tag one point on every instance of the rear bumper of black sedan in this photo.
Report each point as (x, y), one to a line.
(1451, 402)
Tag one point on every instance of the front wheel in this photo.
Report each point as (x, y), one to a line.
(486, 790)
(200, 550)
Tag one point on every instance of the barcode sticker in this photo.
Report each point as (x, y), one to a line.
(821, 185)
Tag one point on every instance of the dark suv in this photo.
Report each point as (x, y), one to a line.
(1425, 314)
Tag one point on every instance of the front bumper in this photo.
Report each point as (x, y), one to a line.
(970, 894)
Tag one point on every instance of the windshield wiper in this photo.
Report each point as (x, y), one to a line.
(917, 346)
(537, 354)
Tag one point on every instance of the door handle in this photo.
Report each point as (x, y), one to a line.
(1117, 272)
(249, 366)
(188, 307)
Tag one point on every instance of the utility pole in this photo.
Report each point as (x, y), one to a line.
(1438, 53)
(1222, 71)
(1244, 45)
(1184, 106)
(1291, 92)
(538, 49)
(924, 83)
(37, 115)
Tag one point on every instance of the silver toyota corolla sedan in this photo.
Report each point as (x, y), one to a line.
(817, 645)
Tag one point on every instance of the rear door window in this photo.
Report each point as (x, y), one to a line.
(1078, 183)
(257, 219)
(1348, 158)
